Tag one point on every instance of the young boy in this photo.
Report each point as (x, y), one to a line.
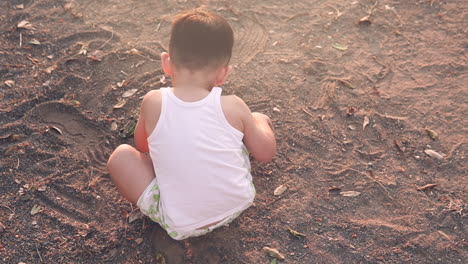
(197, 175)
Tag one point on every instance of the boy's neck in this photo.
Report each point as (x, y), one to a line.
(193, 80)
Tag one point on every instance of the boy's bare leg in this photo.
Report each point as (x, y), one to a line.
(131, 171)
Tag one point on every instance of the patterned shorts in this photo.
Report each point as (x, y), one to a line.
(149, 206)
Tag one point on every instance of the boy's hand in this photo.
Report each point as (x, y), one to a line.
(262, 118)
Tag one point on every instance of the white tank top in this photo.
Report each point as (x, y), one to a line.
(199, 161)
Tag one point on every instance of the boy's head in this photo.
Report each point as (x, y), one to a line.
(200, 39)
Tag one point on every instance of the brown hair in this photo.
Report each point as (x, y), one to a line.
(200, 39)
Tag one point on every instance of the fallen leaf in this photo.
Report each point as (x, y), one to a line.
(162, 80)
(364, 21)
(9, 83)
(352, 127)
(120, 104)
(160, 259)
(19, 6)
(120, 84)
(129, 93)
(25, 24)
(273, 252)
(276, 109)
(426, 187)
(96, 55)
(36, 209)
(42, 188)
(113, 126)
(340, 47)
(351, 111)
(34, 42)
(18, 137)
(56, 129)
(11, 149)
(434, 135)
(294, 232)
(51, 68)
(134, 215)
(139, 240)
(365, 123)
(134, 52)
(334, 189)
(138, 64)
(280, 190)
(434, 154)
(350, 193)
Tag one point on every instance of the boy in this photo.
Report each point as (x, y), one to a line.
(197, 175)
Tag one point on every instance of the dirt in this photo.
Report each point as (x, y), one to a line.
(352, 99)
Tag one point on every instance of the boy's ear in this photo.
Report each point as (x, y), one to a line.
(222, 74)
(166, 63)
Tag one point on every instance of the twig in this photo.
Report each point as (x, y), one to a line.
(107, 41)
(11, 210)
(17, 164)
(371, 176)
(338, 13)
(39, 254)
(21, 40)
(301, 256)
(307, 112)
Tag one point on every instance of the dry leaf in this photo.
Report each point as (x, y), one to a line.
(42, 188)
(273, 252)
(294, 232)
(434, 135)
(352, 127)
(280, 190)
(426, 187)
(138, 64)
(365, 21)
(120, 84)
(162, 80)
(129, 93)
(334, 189)
(350, 193)
(19, 6)
(434, 154)
(51, 68)
(34, 42)
(56, 129)
(340, 47)
(276, 109)
(25, 24)
(139, 240)
(9, 83)
(120, 104)
(365, 123)
(134, 215)
(113, 126)
(36, 209)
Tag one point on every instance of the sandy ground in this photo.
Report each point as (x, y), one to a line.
(361, 94)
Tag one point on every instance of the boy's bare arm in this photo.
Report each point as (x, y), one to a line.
(149, 116)
(140, 136)
(258, 134)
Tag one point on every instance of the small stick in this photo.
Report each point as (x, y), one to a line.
(107, 41)
(39, 254)
(21, 40)
(17, 164)
(307, 112)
